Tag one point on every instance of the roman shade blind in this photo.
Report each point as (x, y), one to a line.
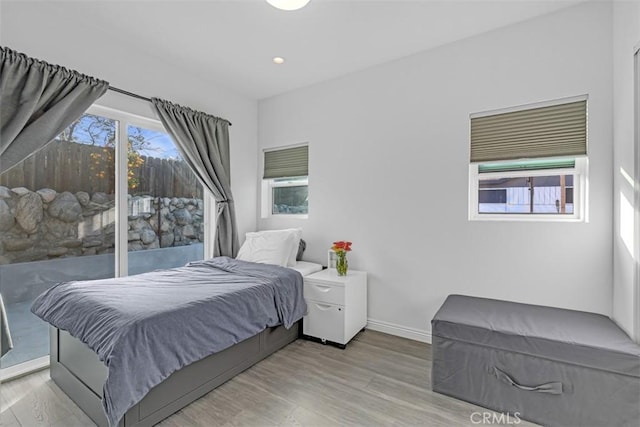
(550, 131)
(287, 162)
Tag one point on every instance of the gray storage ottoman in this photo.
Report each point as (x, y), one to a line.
(551, 366)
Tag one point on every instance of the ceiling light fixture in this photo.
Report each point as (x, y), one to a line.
(278, 60)
(288, 4)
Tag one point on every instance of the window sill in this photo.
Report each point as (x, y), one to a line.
(525, 218)
(287, 216)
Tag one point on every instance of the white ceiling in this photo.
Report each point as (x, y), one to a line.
(234, 41)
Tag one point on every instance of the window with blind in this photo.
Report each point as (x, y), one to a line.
(285, 189)
(530, 162)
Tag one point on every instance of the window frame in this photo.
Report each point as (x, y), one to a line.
(296, 181)
(580, 193)
(636, 125)
(268, 185)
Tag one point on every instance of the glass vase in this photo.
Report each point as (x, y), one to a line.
(342, 265)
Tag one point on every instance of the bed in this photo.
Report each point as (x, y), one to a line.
(139, 377)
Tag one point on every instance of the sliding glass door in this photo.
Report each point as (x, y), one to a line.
(109, 197)
(57, 223)
(165, 206)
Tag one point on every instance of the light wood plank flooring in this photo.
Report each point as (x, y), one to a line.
(379, 380)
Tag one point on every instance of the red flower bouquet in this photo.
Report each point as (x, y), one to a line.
(341, 248)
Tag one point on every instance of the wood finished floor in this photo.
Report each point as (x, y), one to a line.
(379, 380)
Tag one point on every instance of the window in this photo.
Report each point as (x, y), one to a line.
(529, 163)
(285, 184)
(550, 188)
(290, 196)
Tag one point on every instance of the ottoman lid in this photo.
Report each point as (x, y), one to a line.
(574, 337)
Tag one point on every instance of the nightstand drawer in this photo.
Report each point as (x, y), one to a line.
(325, 321)
(323, 293)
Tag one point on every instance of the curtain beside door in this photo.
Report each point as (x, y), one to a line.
(203, 141)
(38, 100)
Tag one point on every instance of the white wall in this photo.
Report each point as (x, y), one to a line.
(626, 36)
(31, 28)
(389, 171)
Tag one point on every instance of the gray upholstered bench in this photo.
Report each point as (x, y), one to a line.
(549, 365)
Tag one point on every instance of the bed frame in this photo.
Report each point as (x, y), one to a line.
(76, 369)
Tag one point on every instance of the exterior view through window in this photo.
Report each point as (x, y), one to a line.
(535, 194)
(58, 211)
(290, 196)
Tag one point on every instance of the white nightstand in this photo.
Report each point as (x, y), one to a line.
(337, 305)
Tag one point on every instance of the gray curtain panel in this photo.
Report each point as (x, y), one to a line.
(203, 141)
(38, 100)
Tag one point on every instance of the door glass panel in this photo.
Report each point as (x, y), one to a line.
(165, 204)
(57, 223)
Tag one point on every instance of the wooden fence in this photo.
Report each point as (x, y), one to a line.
(68, 166)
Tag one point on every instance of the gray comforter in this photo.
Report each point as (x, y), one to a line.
(148, 326)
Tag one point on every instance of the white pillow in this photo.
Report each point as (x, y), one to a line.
(281, 235)
(266, 248)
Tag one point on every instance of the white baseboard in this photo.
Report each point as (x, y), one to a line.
(398, 330)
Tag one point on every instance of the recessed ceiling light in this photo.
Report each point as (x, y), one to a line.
(288, 4)
(278, 60)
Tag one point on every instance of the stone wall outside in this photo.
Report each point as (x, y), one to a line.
(45, 224)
